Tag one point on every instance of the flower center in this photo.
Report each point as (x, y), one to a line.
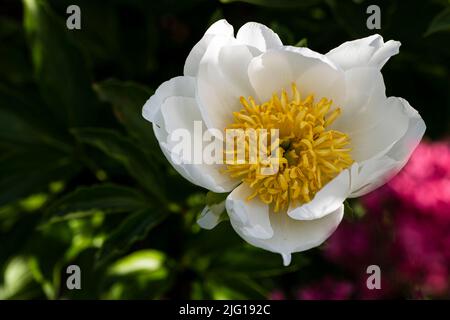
(310, 155)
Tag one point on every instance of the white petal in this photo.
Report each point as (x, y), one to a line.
(290, 235)
(372, 173)
(402, 150)
(251, 217)
(211, 216)
(370, 51)
(173, 107)
(387, 128)
(180, 113)
(175, 87)
(206, 176)
(233, 61)
(222, 80)
(373, 122)
(222, 28)
(259, 36)
(277, 69)
(364, 88)
(327, 200)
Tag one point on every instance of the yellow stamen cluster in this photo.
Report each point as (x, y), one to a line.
(310, 154)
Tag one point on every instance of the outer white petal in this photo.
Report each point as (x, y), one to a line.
(373, 122)
(364, 92)
(211, 216)
(313, 73)
(175, 87)
(180, 113)
(173, 107)
(250, 217)
(290, 235)
(222, 80)
(402, 150)
(258, 36)
(221, 28)
(372, 173)
(327, 200)
(370, 51)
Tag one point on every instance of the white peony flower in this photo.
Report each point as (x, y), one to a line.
(340, 135)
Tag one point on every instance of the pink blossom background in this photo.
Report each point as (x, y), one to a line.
(404, 229)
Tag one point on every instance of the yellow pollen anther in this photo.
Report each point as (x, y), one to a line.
(310, 154)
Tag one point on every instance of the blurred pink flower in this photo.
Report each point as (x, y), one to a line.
(349, 245)
(327, 289)
(424, 183)
(421, 252)
(406, 229)
(277, 295)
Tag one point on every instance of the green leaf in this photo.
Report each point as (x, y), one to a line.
(16, 229)
(348, 208)
(126, 152)
(284, 32)
(106, 197)
(234, 257)
(132, 229)
(440, 23)
(302, 43)
(17, 280)
(353, 210)
(15, 132)
(14, 62)
(254, 262)
(26, 172)
(204, 244)
(231, 287)
(147, 261)
(99, 36)
(349, 15)
(143, 273)
(128, 98)
(277, 3)
(216, 16)
(47, 286)
(23, 123)
(61, 72)
(8, 27)
(14, 65)
(215, 198)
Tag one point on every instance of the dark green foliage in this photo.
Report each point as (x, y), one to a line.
(105, 197)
